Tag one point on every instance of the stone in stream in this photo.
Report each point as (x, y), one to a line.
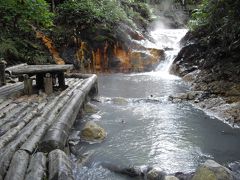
(171, 178)
(119, 101)
(235, 168)
(74, 138)
(156, 174)
(93, 132)
(211, 170)
(183, 176)
(131, 171)
(90, 108)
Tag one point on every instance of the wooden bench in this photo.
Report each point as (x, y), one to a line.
(44, 76)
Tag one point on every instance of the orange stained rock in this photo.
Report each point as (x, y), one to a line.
(80, 55)
(156, 53)
(123, 56)
(105, 57)
(49, 44)
(98, 60)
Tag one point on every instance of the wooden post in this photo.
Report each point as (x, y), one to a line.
(40, 81)
(28, 89)
(61, 80)
(48, 84)
(2, 73)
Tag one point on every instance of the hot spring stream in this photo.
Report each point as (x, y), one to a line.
(144, 128)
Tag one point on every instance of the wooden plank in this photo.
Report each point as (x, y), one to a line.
(59, 166)
(35, 69)
(57, 134)
(33, 141)
(18, 166)
(37, 167)
(10, 69)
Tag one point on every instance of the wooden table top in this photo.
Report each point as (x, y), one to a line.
(37, 69)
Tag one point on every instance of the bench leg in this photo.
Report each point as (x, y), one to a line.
(2, 74)
(28, 89)
(61, 80)
(48, 84)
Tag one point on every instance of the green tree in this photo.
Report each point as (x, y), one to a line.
(17, 39)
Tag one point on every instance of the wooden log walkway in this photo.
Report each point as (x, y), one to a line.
(34, 129)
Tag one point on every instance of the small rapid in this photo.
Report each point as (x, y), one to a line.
(144, 128)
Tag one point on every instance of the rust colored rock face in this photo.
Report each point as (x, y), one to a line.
(50, 45)
(116, 58)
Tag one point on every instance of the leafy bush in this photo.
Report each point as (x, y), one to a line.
(85, 14)
(18, 15)
(220, 19)
(17, 39)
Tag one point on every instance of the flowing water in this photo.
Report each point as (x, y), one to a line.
(144, 128)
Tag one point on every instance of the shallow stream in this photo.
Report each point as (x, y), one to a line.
(144, 128)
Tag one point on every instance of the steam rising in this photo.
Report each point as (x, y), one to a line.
(169, 14)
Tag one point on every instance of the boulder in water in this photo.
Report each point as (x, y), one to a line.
(235, 168)
(93, 132)
(211, 170)
(156, 174)
(171, 178)
(119, 101)
(90, 108)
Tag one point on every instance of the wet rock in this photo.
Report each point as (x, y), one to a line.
(211, 170)
(74, 138)
(184, 96)
(132, 171)
(171, 178)
(90, 108)
(156, 174)
(233, 91)
(145, 60)
(235, 168)
(93, 132)
(183, 176)
(190, 77)
(84, 158)
(119, 101)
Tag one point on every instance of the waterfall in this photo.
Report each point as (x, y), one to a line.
(168, 39)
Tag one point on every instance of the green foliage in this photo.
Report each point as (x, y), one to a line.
(17, 39)
(215, 14)
(20, 14)
(7, 47)
(90, 19)
(84, 14)
(219, 20)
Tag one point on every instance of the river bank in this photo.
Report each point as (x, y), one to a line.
(214, 78)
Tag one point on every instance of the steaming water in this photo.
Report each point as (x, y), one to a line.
(144, 128)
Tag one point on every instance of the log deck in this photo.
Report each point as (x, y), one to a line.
(31, 126)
